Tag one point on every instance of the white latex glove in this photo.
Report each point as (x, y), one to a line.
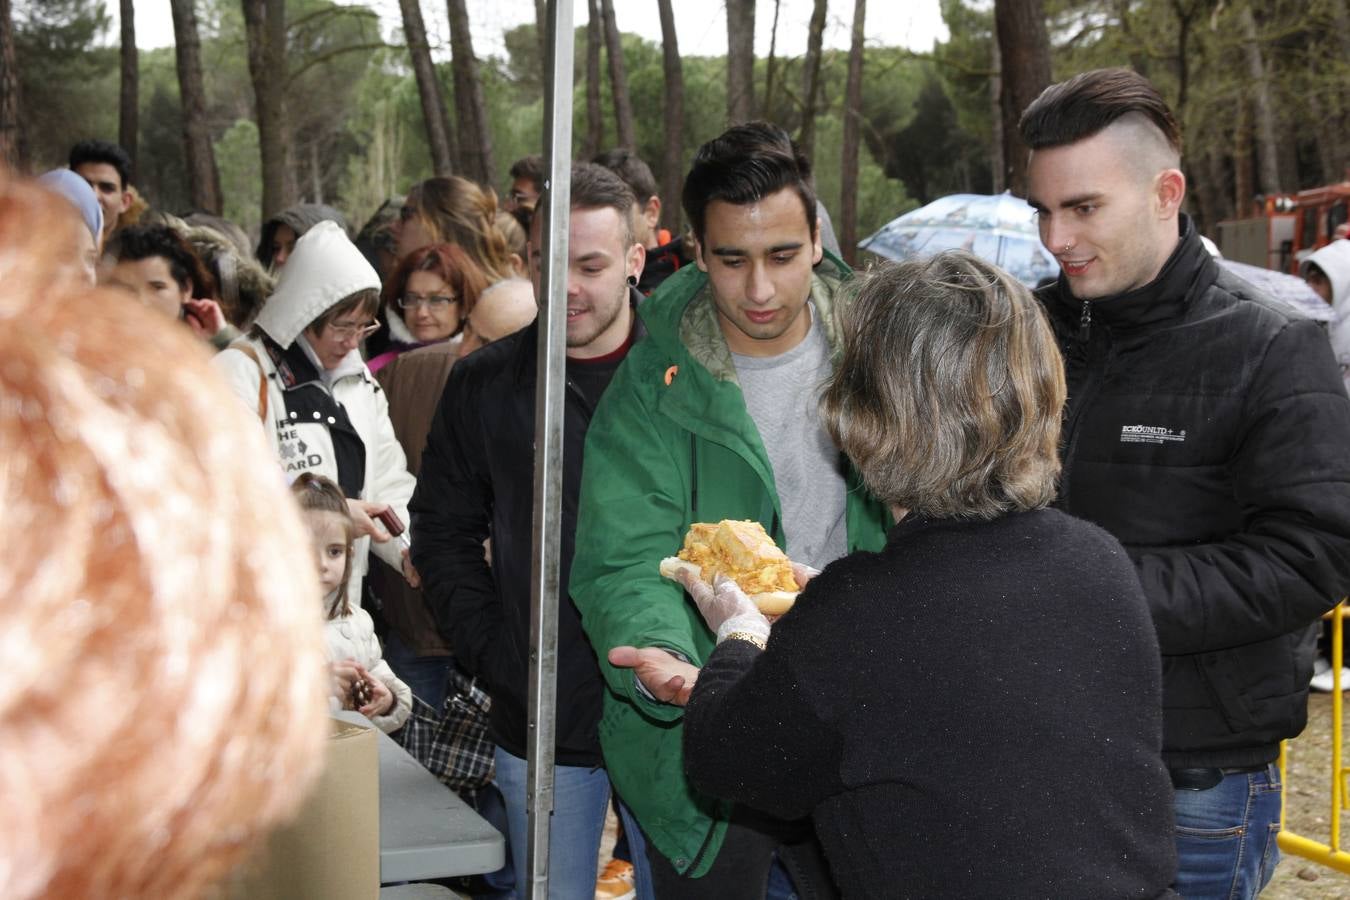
(803, 573)
(725, 607)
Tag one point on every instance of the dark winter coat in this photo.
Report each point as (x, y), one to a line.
(972, 712)
(1208, 430)
(476, 480)
(414, 382)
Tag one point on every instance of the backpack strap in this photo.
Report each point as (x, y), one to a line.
(262, 380)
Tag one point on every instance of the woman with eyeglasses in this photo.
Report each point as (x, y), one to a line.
(428, 299)
(300, 371)
(426, 303)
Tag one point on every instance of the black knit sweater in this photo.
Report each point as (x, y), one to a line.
(973, 712)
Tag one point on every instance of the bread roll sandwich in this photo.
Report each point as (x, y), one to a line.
(743, 552)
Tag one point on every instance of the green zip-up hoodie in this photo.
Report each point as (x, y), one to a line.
(672, 444)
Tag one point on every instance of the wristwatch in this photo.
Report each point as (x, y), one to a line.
(748, 636)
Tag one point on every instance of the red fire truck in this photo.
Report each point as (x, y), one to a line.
(1286, 226)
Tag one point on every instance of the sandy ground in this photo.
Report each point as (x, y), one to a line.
(1307, 800)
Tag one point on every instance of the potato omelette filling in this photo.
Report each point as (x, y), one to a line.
(743, 552)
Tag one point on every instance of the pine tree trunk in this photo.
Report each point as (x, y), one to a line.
(11, 144)
(439, 137)
(9, 92)
(815, 37)
(545, 40)
(128, 106)
(1268, 155)
(740, 61)
(848, 190)
(595, 116)
(1328, 139)
(315, 173)
(1025, 49)
(1341, 98)
(672, 159)
(541, 29)
(770, 65)
(471, 110)
(203, 177)
(618, 78)
(997, 167)
(1212, 192)
(265, 31)
(1243, 190)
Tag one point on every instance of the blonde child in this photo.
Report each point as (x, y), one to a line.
(358, 667)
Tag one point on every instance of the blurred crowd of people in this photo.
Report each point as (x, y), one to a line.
(1124, 501)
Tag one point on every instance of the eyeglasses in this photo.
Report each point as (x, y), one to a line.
(347, 332)
(433, 302)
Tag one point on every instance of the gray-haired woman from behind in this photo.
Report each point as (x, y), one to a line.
(974, 711)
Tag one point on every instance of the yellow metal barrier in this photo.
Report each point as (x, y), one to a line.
(1329, 854)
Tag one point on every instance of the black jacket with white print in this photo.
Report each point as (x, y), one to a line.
(1207, 428)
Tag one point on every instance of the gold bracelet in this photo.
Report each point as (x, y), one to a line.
(748, 636)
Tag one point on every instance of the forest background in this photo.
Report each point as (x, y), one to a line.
(263, 103)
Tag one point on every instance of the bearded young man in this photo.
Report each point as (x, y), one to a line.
(1206, 429)
(477, 479)
(714, 416)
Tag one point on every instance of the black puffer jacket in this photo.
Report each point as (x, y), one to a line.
(1208, 430)
(476, 480)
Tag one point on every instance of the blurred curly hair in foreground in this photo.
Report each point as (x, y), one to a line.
(164, 704)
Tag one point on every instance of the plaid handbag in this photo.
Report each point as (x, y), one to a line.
(453, 744)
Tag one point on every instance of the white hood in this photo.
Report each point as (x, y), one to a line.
(324, 269)
(1334, 260)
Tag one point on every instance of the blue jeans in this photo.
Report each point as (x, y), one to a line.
(1226, 836)
(580, 800)
(425, 675)
(637, 854)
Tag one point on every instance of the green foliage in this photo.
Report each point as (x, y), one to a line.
(357, 120)
(67, 78)
(240, 177)
(965, 63)
(162, 171)
(385, 116)
(933, 154)
(880, 198)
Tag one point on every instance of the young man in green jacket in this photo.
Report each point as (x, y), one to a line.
(712, 417)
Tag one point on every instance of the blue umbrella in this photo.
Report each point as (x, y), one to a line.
(998, 228)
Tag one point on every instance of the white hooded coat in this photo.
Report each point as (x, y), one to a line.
(325, 269)
(353, 637)
(1334, 261)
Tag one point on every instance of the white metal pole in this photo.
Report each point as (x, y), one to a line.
(551, 383)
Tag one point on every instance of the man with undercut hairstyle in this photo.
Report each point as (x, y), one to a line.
(714, 416)
(1206, 428)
